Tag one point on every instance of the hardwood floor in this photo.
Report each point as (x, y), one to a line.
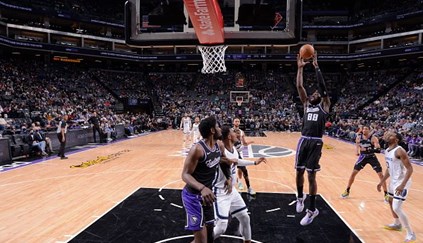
(51, 202)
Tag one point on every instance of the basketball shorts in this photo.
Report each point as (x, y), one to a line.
(187, 131)
(195, 137)
(403, 195)
(309, 151)
(372, 160)
(196, 213)
(228, 204)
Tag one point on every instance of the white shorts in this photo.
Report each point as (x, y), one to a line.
(195, 137)
(228, 204)
(403, 196)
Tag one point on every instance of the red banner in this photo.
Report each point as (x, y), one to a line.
(207, 20)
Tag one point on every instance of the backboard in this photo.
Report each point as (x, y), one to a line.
(236, 96)
(167, 22)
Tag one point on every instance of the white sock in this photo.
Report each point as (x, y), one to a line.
(397, 221)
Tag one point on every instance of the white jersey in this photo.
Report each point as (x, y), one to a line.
(396, 168)
(186, 124)
(195, 132)
(227, 204)
(234, 154)
(220, 183)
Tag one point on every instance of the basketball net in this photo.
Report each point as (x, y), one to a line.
(213, 58)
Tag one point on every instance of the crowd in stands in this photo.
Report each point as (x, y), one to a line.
(363, 86)
(315, 13)
(344, 13)
(34, 95)
(125, 84)
(105, 10)
(401, 108)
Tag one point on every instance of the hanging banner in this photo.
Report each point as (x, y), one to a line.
(207, 20)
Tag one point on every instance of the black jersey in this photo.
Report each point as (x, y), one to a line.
(314, 121)
(366, 143)
(207, 167)
(238, 145)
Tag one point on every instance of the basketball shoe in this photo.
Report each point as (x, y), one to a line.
(411, 238)
(300, 203)
(251, 191)
(240, 186)
(396, 227)
(308, 218)
(345, 194)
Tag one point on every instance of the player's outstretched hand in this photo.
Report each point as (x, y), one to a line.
(261, 160)
(208, 196)
(300, 62)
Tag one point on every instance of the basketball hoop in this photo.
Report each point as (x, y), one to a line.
(239, 102)
(213, 58)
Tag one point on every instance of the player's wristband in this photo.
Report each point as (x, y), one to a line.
(376, 150)
(202, 188)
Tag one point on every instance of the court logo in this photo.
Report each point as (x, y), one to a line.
(100, 159)
(255, 151)
(267, 151)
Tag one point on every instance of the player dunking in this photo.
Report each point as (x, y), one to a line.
(199, 173)
(399, 169)
(242, 170)
(230, 203)
(185, 126)
(367, 145)
(309, 149)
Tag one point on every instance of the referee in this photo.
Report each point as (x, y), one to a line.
(61, 135)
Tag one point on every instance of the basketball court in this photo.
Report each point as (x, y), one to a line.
(129, 190)
(51, 202)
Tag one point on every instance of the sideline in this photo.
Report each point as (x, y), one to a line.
(73, 150)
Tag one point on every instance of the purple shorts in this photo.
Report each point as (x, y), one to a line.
(196, 213)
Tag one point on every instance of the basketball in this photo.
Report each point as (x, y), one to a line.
(306, 51)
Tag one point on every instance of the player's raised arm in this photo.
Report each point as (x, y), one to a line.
(357, 144)
(321, 84)
(300, 84)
